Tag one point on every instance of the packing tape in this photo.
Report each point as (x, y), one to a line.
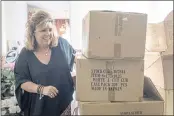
(117, 50)
(109, 66)
(118, 24)
(89, 53)
(118, 31)
(111, 95)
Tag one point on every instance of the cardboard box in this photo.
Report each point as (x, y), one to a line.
(109, 80)
(159, 36)
(152, 104)
(112, 35)
(167, 95)
(169, 50)
(160, 69)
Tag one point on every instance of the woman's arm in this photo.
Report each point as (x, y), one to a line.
(70, 54)
(24, 81)
(32, 88)
(29, 87)
(22, 74)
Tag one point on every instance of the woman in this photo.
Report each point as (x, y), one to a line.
(44, 85)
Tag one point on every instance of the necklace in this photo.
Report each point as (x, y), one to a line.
(46, 54)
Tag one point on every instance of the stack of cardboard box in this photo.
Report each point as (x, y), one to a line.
(159, 59)
(110, 74)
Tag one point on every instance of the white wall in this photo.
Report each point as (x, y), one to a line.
(14, 17)
(4, 46)
(156, 12)
(159, 10)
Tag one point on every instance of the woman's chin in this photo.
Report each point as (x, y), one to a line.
(44, 45)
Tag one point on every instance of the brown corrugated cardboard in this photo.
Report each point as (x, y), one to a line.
(169, 50)
(112, 35)
(152, 104)
(167, 95)
(168, 28)
(160, 69)
(109, 80)
(159, 36)
(155, 37)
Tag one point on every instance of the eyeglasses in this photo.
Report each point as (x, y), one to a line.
(45, 30)
(47, 21)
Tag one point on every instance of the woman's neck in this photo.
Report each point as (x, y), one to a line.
(42, 49)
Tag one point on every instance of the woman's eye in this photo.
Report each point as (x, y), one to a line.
(44, 30)
(50, 30)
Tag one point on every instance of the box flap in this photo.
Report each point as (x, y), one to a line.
(169, 17)
(102, 11)
(137, 13)
(150, 59)
(150, 90)
(107, 11)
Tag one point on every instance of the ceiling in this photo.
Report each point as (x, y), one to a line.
(59, 9)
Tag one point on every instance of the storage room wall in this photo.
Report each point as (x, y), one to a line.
(14, 17)
(156, 11)
(13, 22)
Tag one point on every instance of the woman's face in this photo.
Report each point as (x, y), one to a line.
(43, 34)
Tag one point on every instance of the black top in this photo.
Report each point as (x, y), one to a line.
(55, 73)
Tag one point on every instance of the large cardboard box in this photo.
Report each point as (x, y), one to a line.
(152, 104)
(167, 95)
(109, 80)
(111, 34)
(160, 69)
(159, 36)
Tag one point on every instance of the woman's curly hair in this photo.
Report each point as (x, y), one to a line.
(39, 18)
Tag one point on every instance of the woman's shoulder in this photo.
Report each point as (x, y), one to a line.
(23, 55)
(24, 51)
(62, 41)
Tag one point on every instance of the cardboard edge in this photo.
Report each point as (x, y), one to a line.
(148, 82)
(168, 16)
(109, 11)
(165, 57)
(159, 57)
